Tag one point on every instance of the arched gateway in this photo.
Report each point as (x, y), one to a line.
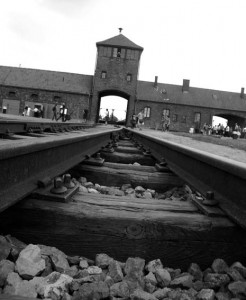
(116, 73)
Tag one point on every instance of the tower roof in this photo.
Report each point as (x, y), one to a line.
(119, 41)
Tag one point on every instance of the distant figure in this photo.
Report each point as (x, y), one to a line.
(64, 119)
(244, 133)
(27, 111)
(133, 121)
(165, 122)
(141, 119)
(4, 109)
(85, 115)
(168, 121)
(36, 112)
(61, 113)
(227, 131)
(54, 110)
(106, 116)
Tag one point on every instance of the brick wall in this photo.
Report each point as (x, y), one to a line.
(75, 103)
(185, 115)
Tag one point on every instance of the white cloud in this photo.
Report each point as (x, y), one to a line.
(203, 41)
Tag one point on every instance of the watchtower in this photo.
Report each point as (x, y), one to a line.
(116, 73)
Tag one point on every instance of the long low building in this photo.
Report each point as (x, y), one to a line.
(116, 74)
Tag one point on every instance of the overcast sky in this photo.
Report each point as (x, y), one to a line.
(200, 40)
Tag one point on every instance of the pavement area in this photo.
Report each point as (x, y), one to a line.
(224, 151)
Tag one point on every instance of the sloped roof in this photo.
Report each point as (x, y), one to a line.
(46, 80)
(173, 94)
(119, 41)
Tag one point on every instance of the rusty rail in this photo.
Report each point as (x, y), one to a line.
(24, 162)
(205, 172)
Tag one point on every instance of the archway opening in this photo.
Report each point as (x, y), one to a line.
(219, 120)
(115, 107)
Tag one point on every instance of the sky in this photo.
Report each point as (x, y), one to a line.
(200, 40)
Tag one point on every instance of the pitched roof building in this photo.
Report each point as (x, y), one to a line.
(116, 73)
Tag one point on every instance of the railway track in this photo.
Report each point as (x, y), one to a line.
(122, 226)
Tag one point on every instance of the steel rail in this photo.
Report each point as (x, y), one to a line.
(26, 126)
(24, 162)
(205, 172)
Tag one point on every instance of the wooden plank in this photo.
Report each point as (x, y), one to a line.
(103, 175)
(126, 158)
(126, 149)
(136, 200)
(84, 229)
(120, 166)
(129, 203)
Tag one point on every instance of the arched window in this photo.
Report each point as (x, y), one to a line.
(34, 97)
(147, 112)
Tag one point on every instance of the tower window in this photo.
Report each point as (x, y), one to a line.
(129, 77)
(103, 74)
(117, 52)
(147, 112)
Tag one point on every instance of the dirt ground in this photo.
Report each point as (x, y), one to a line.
(225, 147)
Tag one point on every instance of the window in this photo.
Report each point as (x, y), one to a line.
(132, 54)
(129, 77)
(117, 52)
(34, 97)
(183, 119)
(166, 112)
(12, 94)
(175, 118)
(147, 112)
(103, 74)
(128, 53)
(197, 117)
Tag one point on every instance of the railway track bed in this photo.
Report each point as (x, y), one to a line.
(144, 223)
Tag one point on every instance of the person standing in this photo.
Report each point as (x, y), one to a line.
(54, 110)
(61, 113)
(163, 118)
(106, 116)
(168, 121)
(64, 119)
(133, 121)
(141, 119)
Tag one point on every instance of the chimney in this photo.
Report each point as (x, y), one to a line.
(155, 83)
(186, 85)
(242, 93)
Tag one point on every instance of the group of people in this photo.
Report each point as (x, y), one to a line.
(137, 120)
(60, 112)
(37, 112)
(226, 131)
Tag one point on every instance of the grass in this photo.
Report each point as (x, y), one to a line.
(216, 140)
